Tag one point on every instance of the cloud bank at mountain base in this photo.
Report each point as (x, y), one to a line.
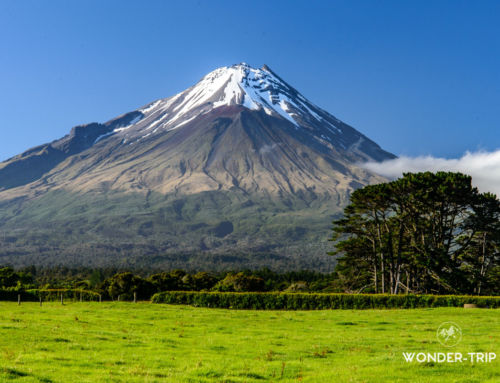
(484, 167)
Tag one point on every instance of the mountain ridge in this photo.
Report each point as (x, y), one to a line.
(241, 140)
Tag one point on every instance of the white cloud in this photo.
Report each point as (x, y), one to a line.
(484, 167)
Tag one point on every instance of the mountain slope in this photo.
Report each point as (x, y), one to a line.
(239, 164)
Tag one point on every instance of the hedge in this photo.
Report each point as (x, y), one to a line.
(304, 301)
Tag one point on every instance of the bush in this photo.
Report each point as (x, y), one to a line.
(125, 285)
(300, 301)
(298, 287)
(240, 282)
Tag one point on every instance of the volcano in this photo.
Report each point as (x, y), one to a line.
(239, 170)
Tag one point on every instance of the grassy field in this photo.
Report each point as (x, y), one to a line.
(125, 342)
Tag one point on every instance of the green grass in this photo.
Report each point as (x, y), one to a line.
(123, 342)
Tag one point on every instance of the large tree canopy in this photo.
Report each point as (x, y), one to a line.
(424, 232)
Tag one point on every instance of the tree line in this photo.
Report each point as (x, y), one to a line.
(423, 233)
(111, 284)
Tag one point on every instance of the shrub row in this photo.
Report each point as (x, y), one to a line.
(298, 301)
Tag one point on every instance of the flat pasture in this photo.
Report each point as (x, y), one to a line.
(144, 342)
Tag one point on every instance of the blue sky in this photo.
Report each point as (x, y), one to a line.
(418, 77)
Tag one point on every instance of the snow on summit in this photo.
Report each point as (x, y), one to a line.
(253, 88)
(239, 85)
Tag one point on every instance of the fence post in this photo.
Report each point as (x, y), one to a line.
(118, 297)
(81, 297)
(62, 302)
(18, 299)
(100, 298)
(135, 297)
(40, 300)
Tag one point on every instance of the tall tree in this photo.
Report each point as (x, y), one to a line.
(424, 232)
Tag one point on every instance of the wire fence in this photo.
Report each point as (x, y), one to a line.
(62, 295)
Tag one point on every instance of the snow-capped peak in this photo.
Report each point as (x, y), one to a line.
(243, 85)
(240, 84)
